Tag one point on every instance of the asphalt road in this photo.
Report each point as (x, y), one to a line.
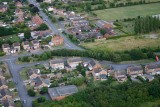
(68, 44)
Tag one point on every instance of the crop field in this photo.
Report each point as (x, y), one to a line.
(121, 44)
(128, 12)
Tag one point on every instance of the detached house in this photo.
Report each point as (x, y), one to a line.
(92, 65)
(6, 48)
(37, 83)
(33, 73)
(120, 76)
(36, 44)
(135, 71)
(57, 40)
(57, 64)
(16, 47)
(7, 103)
(73, 62)
(59, 93)
(99, 74)
(37, 20)
(5, 95)
(153, 69)
(3, 84)
(3, 8)
(26, 45)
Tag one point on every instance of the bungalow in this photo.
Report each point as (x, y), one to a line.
(16, 47)
(135, 71)
(152, 69)
(3, 84)
(99, 74)
(5, 95)
(120, 76)
(92, 65)
(57, 64)
(36, 44)
(73, 62)
(6, 48)
(37, 83)
(57, 40)
(59, 93)
(33, 73)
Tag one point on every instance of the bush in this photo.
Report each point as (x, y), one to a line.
(43, 26)
(44, 90)
(41, 99)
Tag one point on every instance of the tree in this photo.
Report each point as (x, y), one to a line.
(34, 9)
(31, 5)
(61, 19)
(27, 34)
(39, 0)
(31, 93)
(44, 90)
(43, 26)
(103, 31)
(41, 99)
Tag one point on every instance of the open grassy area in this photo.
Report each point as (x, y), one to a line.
(123, 43)
(24, 75)
(128, 12)
(151, 104)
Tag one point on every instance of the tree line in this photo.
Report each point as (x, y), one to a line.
(146, 24)
(128, 94)
(134, 54)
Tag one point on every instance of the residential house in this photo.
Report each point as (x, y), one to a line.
(6, 48)
(3, 8)
(104, 24)
(47, 1)
(16, 47)
(120, 75)
(135, 71)
(37, 21)
(21, 35)
(18, 4)
(148, 77)
(33, 73)
(19, 14)
(57, 40)
(153, 69)
(37, 83)
(36, 44)
(5, 95)
(57, 64)
(41, 34)
(73, 62)
(8, 103)
(3, 84)
(99, 74)
(59, 93)
(26, 45)
(92, 65)
(79, 22)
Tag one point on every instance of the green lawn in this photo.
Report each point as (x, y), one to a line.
(121, 44)
(128, 12)
(24, 75)
(12, 38)
(11, 84)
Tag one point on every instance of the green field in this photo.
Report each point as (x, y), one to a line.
(121, 44)
(128, 12)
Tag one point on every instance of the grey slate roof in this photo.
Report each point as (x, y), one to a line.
(153, 66)
(62, 91)
(92, 63)
(4, 92)
(37, 81)
(76, 59)
(136, 68)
